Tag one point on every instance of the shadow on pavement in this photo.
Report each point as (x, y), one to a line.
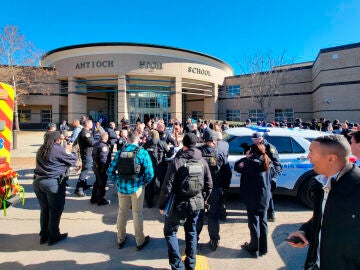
(293, 258)
(91, 243)
(72, 265)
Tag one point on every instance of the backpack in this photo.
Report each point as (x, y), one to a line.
(153, 151)
(211, 159)
(127, 167)
(190, 178)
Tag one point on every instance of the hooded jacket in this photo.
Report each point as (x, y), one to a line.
(171, 179)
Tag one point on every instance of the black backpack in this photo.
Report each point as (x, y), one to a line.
(211, 159)
(190, 178)
(127, 167)
(153, 151)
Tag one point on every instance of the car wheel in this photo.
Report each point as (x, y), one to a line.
(306, 192)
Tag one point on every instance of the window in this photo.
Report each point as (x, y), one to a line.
(233, 91)
(197, 115)
(284, 114)
(46, 116)
(63, 88)
(237, 143)
(285, 145)
(232, 115)
(256, 115)
(24, 116)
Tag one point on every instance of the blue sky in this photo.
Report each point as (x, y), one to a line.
(228, 30)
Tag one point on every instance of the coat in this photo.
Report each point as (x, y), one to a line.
(171, 180)
(340, 231)
(255, 187)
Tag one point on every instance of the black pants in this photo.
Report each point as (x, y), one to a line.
(101, 177)
(150, 189)
(51, 197)
(257, 223)
(214, 213)
(271, 210)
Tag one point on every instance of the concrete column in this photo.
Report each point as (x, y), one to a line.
(122, 99)
(55, 109)
(176, 100)
(211, 105)
(77, 102)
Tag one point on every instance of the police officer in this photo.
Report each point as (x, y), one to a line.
(52, 163)
(122, 139)
(275, 169)
(101, 159)
(183, 208)
(216, 157)
(86, 143)
(113, 137)
(165, 135)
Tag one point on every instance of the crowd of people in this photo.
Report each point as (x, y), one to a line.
(185, 170)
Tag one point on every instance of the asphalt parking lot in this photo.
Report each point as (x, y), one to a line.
(92, 244)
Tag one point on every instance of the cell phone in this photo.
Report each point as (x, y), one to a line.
(295, 240)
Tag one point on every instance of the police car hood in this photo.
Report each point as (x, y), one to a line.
(192, 153)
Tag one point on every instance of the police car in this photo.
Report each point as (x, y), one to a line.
(297, 178)
(309, 134)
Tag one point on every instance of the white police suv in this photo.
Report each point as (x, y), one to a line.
(297, 178)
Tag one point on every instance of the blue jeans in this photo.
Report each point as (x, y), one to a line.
(51, 197)
(171, 227)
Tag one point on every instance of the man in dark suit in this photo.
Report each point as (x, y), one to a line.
(333, 232)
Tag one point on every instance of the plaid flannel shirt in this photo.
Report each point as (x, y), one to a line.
(128, 186)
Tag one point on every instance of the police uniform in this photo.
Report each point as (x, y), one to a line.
(121, 143)
(112, 138)
(101, 159)
(86, 143)
(220, 183)
(49, 186)
(276, 170)
(167, 137)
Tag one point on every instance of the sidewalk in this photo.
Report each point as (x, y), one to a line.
(92, 243)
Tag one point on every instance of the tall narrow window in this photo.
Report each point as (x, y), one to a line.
(46, 116)
(63, 87)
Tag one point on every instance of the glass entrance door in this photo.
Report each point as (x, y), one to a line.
(145, 105)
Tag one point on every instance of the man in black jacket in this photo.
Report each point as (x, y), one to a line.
(333, 231)
(113, 137)
(186, 206)
(86, 143)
